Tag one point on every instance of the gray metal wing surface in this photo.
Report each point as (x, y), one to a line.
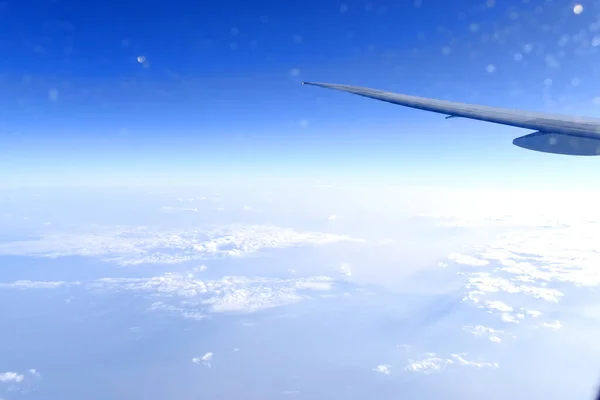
(558, 134)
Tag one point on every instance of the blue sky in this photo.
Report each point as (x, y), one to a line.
(219, 92)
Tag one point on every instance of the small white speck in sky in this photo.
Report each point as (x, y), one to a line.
(53, 94)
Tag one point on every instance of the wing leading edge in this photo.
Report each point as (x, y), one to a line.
(558, 134)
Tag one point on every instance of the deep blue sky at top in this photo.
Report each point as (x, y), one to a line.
(219, 90)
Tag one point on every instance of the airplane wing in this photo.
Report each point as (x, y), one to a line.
(558, 134)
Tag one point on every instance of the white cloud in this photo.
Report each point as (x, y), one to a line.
(187, 313)
(383, 368)
(506, 317)
(7, 377)
(205, 359)
(480, 330)
(26, 284)
(484, 283)
(496, 305)
(546, 250)
(536, 255)
(555, 325)
(228, 294)
(34, 372)
(345, 269)
(427, 365)
(433, 363)
(467, 260)
(197, 297)
(462, 361)
(506, 312)
(138, 245)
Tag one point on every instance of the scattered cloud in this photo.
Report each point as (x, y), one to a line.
(8, 377)
(433, 363)
(25, 284)
(460, 360)
(555, 325)
(491, 333)
(138, 245)
(527, 266)
(227, 294)
(383, 368)
(185, 312)
(427, 365)
(532, 261)
(345, 269)
(205, 359)
(483, 283)
(184, 294)
(34, 372)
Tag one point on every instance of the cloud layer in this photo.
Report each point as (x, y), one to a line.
(192, 297)
(529, 267)
(138, 245)
(228, 294)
